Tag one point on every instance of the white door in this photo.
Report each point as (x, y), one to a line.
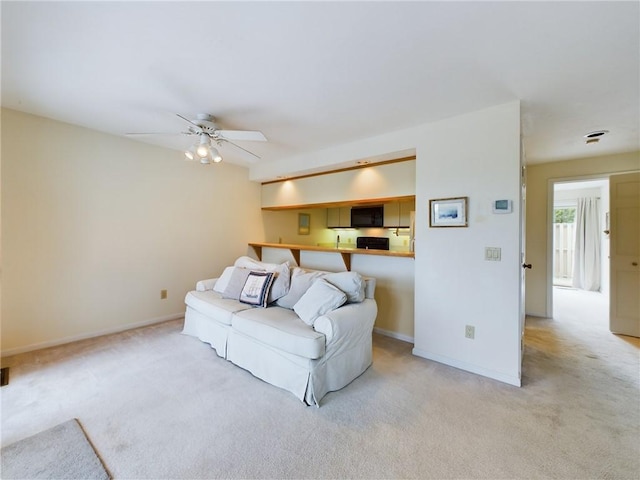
(624, 239)
(524, 265)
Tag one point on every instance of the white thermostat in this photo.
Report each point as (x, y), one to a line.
(502, 206)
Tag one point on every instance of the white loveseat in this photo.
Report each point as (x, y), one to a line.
(313, 337)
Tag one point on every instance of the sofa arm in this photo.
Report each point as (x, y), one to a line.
(204, 285)
(348, 323)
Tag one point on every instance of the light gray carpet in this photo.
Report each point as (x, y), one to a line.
(162, 405)
(61, 452)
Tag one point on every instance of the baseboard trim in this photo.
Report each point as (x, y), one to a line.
(468, 367)
(396, 335)
(85, 336)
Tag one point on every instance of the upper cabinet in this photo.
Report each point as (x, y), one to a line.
(339, 217)
(398, 214)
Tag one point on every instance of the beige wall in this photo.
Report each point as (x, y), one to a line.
(281, 226)
(537, 235)
(95, 225)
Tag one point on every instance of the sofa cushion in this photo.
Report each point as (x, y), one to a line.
(322, 297)
(281, 329)
(256, 288)
(301, 280)
(212, 305)
(351, 283)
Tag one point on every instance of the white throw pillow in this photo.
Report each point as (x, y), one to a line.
(350, 283)
(301, 280)
(281, 282)
(223, 281)
(248, 262)
(321, 298)
(236, 283)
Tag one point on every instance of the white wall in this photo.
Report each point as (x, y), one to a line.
(94, 226)
(375, 181)
(475, 155)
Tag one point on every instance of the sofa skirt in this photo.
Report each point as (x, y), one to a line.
(215, 334)
(309, 380)
(282, 369)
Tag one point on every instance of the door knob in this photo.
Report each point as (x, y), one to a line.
(635, 264)
(526, 265)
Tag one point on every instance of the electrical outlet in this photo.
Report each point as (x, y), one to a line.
(470, 331)
(163, 294)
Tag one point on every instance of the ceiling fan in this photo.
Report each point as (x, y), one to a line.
(207, 132)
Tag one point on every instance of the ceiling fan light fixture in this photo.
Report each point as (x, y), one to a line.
(191, 153)
(215, 155)
(204, 148)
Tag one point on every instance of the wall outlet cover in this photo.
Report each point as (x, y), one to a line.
(470, 331)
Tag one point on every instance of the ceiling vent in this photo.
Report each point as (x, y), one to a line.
(594, 137)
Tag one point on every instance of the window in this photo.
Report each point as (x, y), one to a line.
(564, 214)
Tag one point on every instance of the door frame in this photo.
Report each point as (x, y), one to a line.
(550, 198)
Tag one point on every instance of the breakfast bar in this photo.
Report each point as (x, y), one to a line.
(344, 252)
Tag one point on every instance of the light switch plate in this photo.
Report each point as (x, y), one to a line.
(492, 254)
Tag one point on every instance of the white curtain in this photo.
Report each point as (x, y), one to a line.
(586, 263)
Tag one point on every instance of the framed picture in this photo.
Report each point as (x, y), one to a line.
(304, 222)
(448, 212)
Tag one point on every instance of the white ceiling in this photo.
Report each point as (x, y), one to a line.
(310, 75)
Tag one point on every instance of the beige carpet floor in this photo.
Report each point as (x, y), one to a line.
(157, 404)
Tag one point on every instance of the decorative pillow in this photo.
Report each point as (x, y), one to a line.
(236, 283)
(350, 283)
(282, 280)
(256, 288)
(223, 281)
(301, 280)
(321, 298)
(250, 263)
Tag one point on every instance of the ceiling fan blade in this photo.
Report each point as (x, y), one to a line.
(244, 149)
(134, 134)
(142, 134)
(248, 135)
(195, 125)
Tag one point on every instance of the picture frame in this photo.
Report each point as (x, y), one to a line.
(304, 224)
(448, 212)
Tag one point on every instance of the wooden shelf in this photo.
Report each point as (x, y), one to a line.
(344, 252)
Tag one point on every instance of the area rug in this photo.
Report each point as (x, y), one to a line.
(62, 451)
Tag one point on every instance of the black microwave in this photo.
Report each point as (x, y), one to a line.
(367, 216)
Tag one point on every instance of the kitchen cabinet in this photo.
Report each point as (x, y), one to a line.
(398, 214)
(339, 217)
